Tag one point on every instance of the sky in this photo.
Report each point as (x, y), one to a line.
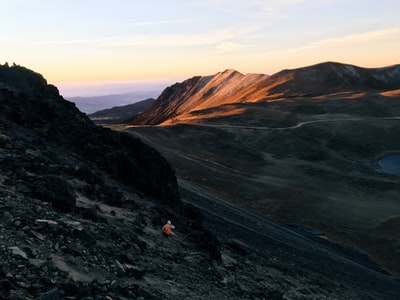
(84, 46)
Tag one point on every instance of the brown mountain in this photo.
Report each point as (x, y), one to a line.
(199, 93)
(182, 102)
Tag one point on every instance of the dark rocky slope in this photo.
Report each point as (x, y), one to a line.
(38, 109)
(75, 200)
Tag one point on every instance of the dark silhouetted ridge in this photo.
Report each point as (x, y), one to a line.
(27, 100)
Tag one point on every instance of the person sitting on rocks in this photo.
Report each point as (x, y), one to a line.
(167, 229)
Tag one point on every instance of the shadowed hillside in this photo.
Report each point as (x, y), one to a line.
(28, 101)
(301, 145)
(77, 198)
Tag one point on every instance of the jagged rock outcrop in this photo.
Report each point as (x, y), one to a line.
(31, 104)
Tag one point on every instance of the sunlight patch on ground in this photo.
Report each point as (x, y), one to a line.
(197, 117)
(394, 93)
(342, 95)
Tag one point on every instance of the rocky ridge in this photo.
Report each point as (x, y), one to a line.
(182, 102)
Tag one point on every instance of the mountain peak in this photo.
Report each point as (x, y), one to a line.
(229, 71)
(228, 74)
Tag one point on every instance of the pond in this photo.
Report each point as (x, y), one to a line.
(390, 164)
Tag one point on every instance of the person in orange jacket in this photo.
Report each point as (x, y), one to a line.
(167, 229)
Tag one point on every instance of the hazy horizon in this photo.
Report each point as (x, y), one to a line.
(94, 96)
(87, 41)
(105, 88)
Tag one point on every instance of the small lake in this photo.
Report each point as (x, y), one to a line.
(390, 164)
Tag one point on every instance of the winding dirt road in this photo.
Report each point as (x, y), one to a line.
(298, 125)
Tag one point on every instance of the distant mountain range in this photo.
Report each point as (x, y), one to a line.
(96, 103)
(120, 114)
(182, 102)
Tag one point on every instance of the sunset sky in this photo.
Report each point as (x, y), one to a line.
(85, 42)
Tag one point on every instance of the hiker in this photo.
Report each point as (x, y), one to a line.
(166, 229)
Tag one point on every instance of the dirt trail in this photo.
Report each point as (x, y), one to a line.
(298, 125)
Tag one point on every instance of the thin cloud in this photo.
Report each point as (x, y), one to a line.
(213, 3)
(155, 23)
(214, 37)
(356, 39)
(365, 38)
(227, 47)
(199, 39)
